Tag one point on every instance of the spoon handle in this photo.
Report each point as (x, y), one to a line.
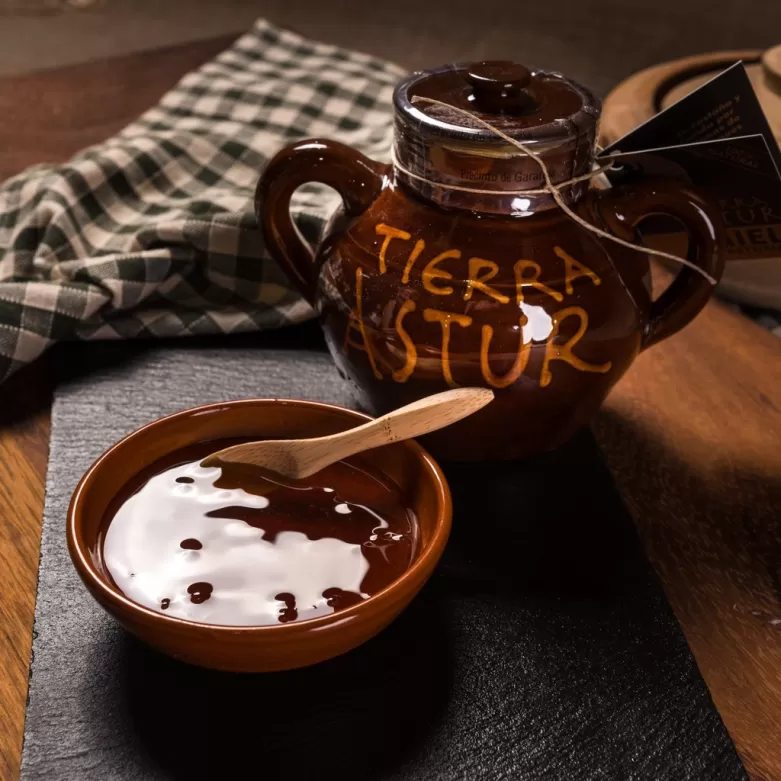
(413, 420)
(299, 458)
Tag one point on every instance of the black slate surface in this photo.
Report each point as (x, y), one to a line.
(543, 647)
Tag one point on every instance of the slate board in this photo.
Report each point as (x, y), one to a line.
(542, 648)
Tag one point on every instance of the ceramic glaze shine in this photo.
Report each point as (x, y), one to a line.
(226, 546)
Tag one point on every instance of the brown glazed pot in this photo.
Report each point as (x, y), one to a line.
(265, 648)
(421, 285)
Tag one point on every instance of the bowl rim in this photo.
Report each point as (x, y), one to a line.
(82, 559)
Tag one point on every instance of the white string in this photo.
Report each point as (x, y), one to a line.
(549, 189)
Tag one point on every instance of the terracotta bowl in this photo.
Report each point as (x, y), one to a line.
(263, 648)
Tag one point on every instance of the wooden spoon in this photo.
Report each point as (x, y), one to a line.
(299, 458)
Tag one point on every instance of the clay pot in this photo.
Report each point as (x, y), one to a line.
(441, 270)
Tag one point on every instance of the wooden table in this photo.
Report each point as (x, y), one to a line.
(692, 435)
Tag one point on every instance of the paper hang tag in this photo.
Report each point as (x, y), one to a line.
(724, 107)
(717, 139)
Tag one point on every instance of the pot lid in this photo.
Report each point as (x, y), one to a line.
(528, 105)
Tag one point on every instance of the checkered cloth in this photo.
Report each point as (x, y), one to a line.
(152, 233)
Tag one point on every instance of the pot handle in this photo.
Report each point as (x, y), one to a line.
(356, 178)
(624, 207)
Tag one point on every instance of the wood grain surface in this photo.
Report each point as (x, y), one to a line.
(24, 443)
(692, 435)
(771, 69)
